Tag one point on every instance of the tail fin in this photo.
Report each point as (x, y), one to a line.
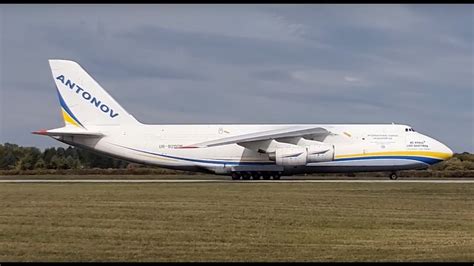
(83, 101)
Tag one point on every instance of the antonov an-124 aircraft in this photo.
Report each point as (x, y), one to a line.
(95, 121)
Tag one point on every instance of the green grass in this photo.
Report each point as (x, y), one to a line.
(237, 222)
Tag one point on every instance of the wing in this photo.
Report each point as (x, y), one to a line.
(264, 138)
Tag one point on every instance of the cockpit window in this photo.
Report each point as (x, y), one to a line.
(409, 129)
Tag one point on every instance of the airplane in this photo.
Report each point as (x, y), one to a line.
(93, 120)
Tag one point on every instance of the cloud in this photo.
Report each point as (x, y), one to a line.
(246, 64)
(351, 79)
(329, 79)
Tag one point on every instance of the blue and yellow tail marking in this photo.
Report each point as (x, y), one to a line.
(68, 116)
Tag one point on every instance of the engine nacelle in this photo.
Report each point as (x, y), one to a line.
(320, 153)
(291, 156)
(297, 156)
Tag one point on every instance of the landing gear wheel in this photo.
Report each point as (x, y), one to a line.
(256, 176)
(393, 176)
(276, 176)
(245, 176)
(235, 176)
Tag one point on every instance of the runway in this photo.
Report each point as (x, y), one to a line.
(229, 181)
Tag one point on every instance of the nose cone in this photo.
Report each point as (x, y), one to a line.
(435, 148)
(445, 151)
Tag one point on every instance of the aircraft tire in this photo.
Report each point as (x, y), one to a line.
(235, 176)
(245, 176)
(276, 176)
(256, 176)
(393, 176)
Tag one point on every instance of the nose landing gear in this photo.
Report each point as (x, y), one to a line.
(393, 176)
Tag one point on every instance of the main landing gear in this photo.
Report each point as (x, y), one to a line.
(256, 175)
(393, 176)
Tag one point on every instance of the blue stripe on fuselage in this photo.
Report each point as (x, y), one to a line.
(426, 160)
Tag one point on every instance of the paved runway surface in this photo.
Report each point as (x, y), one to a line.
(228, 181)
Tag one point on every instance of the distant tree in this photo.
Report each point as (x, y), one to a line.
(454, 164)
(73, 152)
(61, 152)
(48, 154)
(71, 163)
(468, 165)
(29, 160)
(8, 161)
(465, 157)
(40, 164)
(58, 162)
(24, 164)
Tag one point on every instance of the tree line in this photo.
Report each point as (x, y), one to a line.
(14, 157)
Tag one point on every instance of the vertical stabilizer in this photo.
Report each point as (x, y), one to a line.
(83, 101)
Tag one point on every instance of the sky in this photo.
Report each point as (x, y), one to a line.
(244, 63)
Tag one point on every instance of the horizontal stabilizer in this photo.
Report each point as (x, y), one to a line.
(67, 131)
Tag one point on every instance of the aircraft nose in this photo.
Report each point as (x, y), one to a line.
(445, 150)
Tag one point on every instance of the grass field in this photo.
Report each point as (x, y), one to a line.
(237, 222)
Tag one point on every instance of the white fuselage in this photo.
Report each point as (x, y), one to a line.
(357, 147)
(96, 121)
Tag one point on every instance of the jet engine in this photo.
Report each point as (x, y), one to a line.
(320, 153)
(298, 156)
